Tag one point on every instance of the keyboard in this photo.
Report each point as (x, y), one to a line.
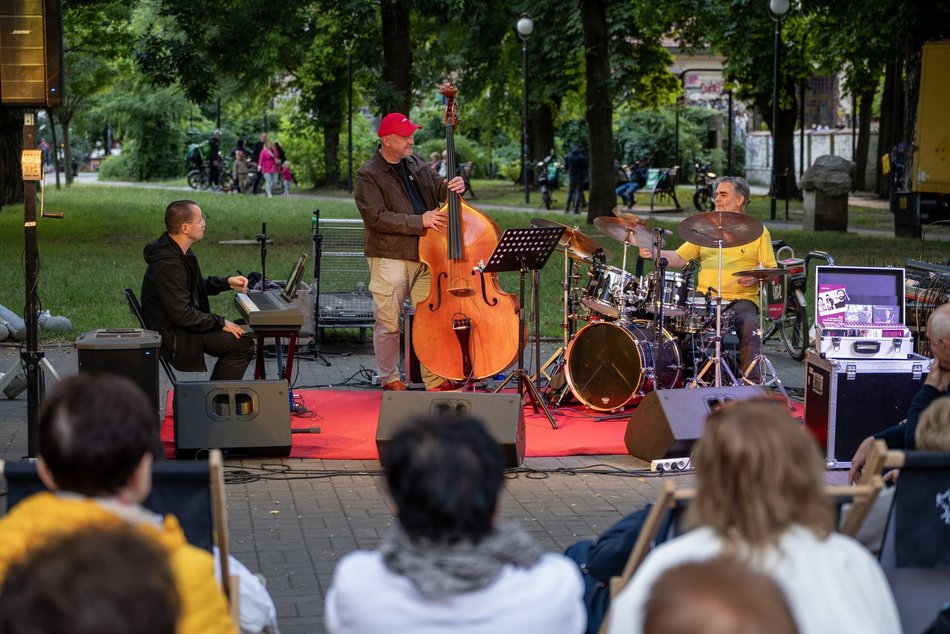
(264, 310)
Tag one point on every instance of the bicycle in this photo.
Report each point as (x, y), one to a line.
(198, 178)
(787, 307)
(703, 196)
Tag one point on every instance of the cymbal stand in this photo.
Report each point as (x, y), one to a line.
(716, 361)
(767, 373)
(659, 272)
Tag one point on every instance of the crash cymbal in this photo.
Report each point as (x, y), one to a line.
(620, 212)
(761, 273)
(623, 230)
(732, 227)
(578, 245)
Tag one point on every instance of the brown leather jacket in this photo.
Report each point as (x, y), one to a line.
(391, 229)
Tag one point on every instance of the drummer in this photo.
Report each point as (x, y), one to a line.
(732, 194)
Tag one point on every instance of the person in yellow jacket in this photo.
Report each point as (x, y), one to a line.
(97, 438)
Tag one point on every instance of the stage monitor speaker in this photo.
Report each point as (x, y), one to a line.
(501, 413)
(31, 53)
(129, 352)
(247, 418)
(666, 423)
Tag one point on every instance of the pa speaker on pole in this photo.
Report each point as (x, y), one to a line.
(31, 62)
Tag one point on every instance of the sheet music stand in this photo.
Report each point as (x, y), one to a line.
(524, 250)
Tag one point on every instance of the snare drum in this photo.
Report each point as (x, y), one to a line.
(607, 362)
(696, 317)
(602, 295)
(677, 289)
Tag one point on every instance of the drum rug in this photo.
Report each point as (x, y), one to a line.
(347, 420)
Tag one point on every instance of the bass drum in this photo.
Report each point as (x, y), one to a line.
(606, 363)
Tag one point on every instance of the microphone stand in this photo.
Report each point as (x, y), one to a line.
(262, 238)
(317, 255)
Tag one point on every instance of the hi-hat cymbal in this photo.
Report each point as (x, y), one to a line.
(761, 273)
(578, 245)
(628, 231)
(733, 228)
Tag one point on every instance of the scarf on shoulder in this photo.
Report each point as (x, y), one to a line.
(441, 570)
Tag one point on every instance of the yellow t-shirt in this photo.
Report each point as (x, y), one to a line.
(745, 256)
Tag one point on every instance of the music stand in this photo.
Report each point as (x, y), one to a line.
(524, 250)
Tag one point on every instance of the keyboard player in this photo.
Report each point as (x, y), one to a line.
(175, 300)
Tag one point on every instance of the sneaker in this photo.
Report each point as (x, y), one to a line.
(444, 386)
(395, 386)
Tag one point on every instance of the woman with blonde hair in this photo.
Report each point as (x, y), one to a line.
(760, 497)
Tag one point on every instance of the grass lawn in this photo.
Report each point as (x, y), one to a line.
(95, 251)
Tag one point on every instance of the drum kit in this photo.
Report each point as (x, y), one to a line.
(625, 335)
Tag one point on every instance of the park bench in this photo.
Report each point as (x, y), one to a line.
(465, 171)
(661, 183)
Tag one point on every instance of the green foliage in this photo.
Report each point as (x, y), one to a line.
(652, 133)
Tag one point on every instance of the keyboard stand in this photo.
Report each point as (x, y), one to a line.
(285, 372)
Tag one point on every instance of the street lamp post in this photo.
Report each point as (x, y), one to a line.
(777, 11)
(525, 28)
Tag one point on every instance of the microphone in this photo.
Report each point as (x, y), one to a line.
(663, 231)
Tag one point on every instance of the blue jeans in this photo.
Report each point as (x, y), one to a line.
(626, 191)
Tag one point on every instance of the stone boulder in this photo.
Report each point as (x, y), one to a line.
(825, 187)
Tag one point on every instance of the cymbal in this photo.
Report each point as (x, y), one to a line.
(578, 245)
(761, 273)
(626, 215)
(732, 227)
(624, 230)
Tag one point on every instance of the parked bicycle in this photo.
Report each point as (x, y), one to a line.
(787, 306)
(703, 196)
(198, 178)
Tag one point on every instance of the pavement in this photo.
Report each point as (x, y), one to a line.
(291, 520)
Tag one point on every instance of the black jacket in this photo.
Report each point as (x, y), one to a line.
(175, 302)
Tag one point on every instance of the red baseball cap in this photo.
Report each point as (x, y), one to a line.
(396, 123)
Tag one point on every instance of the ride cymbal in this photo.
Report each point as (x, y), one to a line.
(708, 228)
(578, 245)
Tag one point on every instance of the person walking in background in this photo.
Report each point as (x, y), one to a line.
(287, 176)
(255, 156)
(576, 163)
(267, 165)
(241, 172)
(435, 161)
(447, 565)
(214, 162)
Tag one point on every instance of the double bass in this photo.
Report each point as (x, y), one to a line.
(467, 327)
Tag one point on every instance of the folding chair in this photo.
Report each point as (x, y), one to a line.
(136, 309)
(191, 491)
(914, 554)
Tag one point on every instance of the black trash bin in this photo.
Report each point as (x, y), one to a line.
(906, 209)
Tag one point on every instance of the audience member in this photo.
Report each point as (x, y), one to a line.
(760, 496)
(97, 438)
(719, 596)
(937, 384)
(175, 300)
(447, 566)
(255, 156)
(435, 161)
(113, 580)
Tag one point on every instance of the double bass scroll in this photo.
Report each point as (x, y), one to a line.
(467, 327)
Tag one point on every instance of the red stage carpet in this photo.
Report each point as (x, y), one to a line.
(347, 421)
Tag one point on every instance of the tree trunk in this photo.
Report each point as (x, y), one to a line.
(331, 149)
(11, 143)
(395, 94)
(540, 132)
(599, 109)
(891, 101)
(64, 120)
(912, 53)
(864, 137)
(786, 154)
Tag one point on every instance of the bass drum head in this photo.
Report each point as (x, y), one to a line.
(605, 363)
(604, 367)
